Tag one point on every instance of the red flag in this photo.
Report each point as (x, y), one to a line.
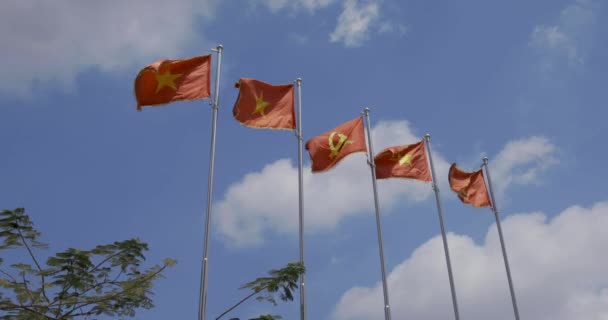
(166, 81)
(469, 186)
(328, 149)
(407, 161)
(262, 105)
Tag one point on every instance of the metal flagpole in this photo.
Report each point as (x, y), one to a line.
(301, 199)
(427, 139)
(502, 241)
(372, 165)
(203, 290)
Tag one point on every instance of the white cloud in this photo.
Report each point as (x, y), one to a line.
(245, 214)
(53, 41)
(389, 26)
(298, 39)
(521, 161)
(310, 5)
(569, 39)
(558, 267)
(354, 23)
(554, 39)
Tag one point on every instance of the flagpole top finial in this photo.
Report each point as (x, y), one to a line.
(427, 136)
(485, 160)
(366, 110)
(298, 80)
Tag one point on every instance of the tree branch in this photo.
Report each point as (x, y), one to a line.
(29, 250)
(29, 292)
(65, 289)
(106, 260)
(8, 275)
(237, 304)
(118, 294)
(12, 306)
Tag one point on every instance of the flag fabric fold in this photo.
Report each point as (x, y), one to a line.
(165, 81)
(262, 105)
(469, 186)
(406, 161)
(327, 149)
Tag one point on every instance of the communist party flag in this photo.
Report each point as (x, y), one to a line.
(469, 186)
(262, 105)
(328, 149)
(407, 161)
(166, 81)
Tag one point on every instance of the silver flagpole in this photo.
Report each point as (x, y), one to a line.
(427, 139)
(203, 290)
(301, 199)
(502, 241)
(372, 165)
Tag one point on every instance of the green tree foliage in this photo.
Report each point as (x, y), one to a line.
(282, 282)
(73, 284)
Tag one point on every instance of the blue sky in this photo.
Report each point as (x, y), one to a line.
(521, 82)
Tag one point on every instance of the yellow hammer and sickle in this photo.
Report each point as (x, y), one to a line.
(335, 149)
(464, 192)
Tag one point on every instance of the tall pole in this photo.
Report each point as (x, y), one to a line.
(427, 139)
(301, 199)
(502, 241)
(372, 166)
(203, 289)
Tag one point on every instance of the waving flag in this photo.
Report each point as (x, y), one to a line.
(166, 81)
(328, 149)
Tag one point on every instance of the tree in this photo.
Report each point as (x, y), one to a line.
(282, 281)
(73, 284)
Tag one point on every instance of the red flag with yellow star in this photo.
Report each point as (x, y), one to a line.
(328, 149)
(407, 161)
(166, 81)
(469, 186)
(262, 105)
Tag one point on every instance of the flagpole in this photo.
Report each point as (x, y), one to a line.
(502, 241)
(301, 198)
(427, 139)
(203, 288)
(372, 165)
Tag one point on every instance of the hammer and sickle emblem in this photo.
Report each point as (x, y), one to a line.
(464, 192)
(335, 149)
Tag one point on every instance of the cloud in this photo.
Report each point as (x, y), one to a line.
(359, 19)
(558, 269)
(52, 42)
(245, 215)
(354, 23)
(310, 5)
(389, 26)
(569, 39)
(521, 161)
(298, 39)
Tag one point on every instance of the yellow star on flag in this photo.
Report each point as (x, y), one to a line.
(406, 159)
(166, 79)
(260, 105)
